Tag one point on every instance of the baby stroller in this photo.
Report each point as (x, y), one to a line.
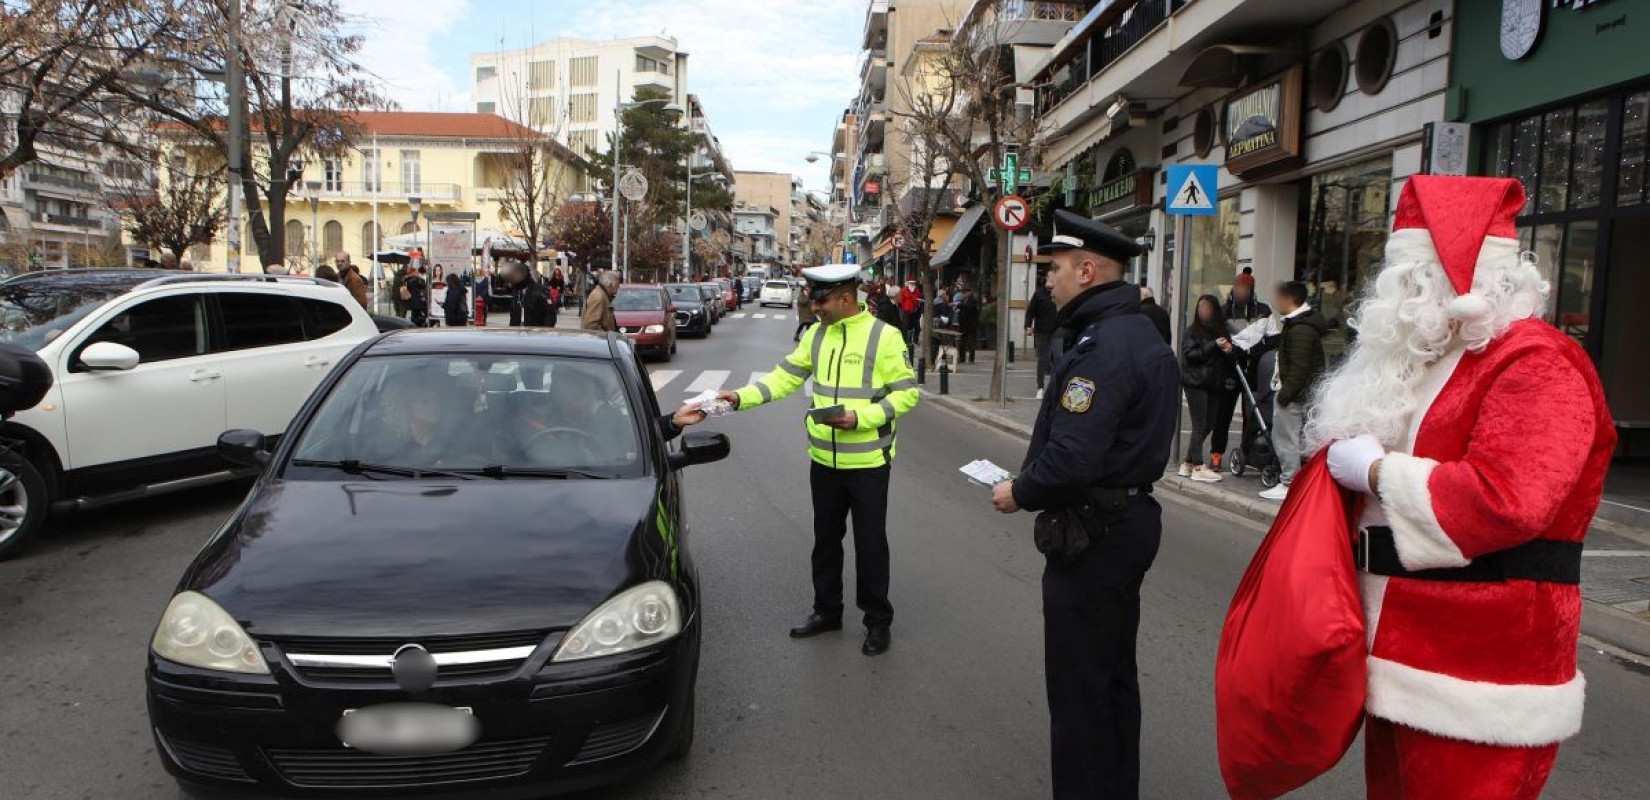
(1259, 455)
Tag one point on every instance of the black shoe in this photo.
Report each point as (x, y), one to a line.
(815, 625)
(877, 639)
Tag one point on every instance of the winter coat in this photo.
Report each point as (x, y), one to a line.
(1241, 315)
(1159, 317)
(1202, 363)
(1300, 355)
(1042, 316)
(356, 285)
(530, 306)
(455, 306)
(598, 311)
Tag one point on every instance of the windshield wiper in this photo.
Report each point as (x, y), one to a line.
(355, 466)
(501, 471)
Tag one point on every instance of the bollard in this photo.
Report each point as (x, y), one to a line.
(1011, 352)
(945, 378)
(922, 371)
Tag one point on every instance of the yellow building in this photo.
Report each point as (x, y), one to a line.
(450, 162)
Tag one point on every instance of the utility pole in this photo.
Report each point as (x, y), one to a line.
(618, 134)
(237, 120)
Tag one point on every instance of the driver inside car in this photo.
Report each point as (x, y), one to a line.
(571, 425)
(418, 422)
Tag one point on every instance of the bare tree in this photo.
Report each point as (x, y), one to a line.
(964, 117)
(186, 210)
(534, 170)
(62, 61)
(302, 84)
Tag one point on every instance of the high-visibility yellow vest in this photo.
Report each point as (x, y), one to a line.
(859, 363)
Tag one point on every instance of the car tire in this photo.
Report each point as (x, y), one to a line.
(21, 485)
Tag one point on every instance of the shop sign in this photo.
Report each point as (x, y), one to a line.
(1263, 125)
(1523, 22)
(1121, 193)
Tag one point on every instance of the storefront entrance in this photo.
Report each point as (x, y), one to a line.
(1588, 222)
(1340, 237)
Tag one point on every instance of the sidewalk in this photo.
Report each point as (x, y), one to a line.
(1615, 568)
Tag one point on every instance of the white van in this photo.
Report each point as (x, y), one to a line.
(757, 271)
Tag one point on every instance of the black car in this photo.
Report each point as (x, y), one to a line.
(693, 313)
(714, 301)
(464, 572)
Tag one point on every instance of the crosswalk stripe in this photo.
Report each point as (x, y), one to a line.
(709, 380)
(739, 315)
(760, 316)
(662, 377)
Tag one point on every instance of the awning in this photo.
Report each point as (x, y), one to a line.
(1224, 66)
(953, 240)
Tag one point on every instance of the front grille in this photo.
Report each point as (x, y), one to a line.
(344, 767)
(611, 739)
(366, 675)
(202, 758)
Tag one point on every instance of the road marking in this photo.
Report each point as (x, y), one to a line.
(760, 316)
(739, 315)
(708, 381)
(662, 377)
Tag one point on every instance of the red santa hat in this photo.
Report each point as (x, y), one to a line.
(1460, 215)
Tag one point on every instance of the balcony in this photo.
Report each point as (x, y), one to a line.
(66, 220)
(657, 80)
(389, 192)
(1024, 22)
(876, 165)
(60, 185)
(873, 72)
(876, 25)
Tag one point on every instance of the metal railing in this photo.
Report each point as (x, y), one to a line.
(390, 192)
(1039, 11)
(66, 219)
(78, 184)
(1132, 21)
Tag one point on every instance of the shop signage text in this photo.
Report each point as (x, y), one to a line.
(1263, 124)
(1128, 191)
(1523, 22)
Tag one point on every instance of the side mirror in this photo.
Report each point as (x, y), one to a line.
(24, 379)
(244, 448)
(107, 356)
(700, 447)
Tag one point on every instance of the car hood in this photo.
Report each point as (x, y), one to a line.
(388, 558)
(633, 318)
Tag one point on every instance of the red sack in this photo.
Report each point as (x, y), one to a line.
(1290, 674)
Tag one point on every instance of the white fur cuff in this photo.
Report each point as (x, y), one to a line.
(1407, 501)
(1521, 715)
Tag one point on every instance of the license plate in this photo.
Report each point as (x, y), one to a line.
(399, 729)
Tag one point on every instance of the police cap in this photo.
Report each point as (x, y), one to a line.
(1076, 232)
(825, 278)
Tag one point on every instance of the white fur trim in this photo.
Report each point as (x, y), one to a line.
(1411, 244)
(1421, 541)
(1517, 715)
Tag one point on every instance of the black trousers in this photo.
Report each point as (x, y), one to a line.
(1091, 615)
(863, 493)
(1048, 352)
(1222, 403)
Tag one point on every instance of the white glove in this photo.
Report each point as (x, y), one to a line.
(1350, 460)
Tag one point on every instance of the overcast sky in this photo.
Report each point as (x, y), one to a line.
(774, 75)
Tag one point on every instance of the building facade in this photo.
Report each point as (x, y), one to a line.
(569, 88)
(449, 162)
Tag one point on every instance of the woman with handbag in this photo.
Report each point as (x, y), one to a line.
(1204, 370)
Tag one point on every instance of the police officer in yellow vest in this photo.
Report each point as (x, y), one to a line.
(862, 384)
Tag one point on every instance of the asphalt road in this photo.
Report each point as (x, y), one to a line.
(955, 710)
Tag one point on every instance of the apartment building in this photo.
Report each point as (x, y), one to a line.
(57, 211)
(569, 88)
(444, 162)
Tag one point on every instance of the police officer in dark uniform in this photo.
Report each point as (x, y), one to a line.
(1103, 436)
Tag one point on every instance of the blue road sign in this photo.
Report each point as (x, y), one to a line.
(1192, 189)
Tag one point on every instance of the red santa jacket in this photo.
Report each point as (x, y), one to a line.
(1514, 447)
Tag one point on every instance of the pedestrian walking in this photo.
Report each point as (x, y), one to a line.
(350, 276)
(415, 290)
(529, 304)
(862, 385)
(967, 304)
(804, 316)
(1100, 441)
(1300, 364)
(455, 306)
(1241, 310)
(598, 306)
(1042, 318)
(1157, 314)
(910, 309)
(1204, 370)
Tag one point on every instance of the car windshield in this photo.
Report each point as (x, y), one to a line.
(638, 300)
(689, 293)
(32, 314)
(483, 414)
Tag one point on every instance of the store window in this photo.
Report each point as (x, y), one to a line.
(1340, 237)
(1631, 181)
(1213, 255)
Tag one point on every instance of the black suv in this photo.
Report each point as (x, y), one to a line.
(464, 571)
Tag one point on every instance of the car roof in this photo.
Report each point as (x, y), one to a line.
(624, 286)
(125, 280)
(497, 341)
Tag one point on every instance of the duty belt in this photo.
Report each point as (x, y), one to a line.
(1535, 560)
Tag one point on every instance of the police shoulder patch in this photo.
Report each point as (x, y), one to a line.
(1078, 396)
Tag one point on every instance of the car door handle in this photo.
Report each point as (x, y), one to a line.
(200, 375)
(317, 361)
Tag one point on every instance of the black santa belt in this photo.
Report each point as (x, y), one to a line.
(1535, 560)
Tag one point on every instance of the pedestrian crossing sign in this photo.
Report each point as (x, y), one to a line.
(1192, 189)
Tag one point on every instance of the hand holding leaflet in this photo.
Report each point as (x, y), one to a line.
(710, 403)
(985, 473)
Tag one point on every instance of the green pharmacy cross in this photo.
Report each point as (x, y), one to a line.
(1010, 176)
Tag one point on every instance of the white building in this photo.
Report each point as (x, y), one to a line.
(570, 88)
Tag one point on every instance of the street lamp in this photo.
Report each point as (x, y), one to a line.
(416, 204)
(687, 215)
(314, 189)
(847, 195)
(618, 156)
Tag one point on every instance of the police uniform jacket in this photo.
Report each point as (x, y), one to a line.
(1110, 421)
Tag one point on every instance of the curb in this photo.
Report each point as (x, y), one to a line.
(1609, 625)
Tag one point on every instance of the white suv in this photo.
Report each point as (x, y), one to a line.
(777, 293)
(148, 369)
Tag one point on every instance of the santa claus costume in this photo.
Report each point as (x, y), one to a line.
(1484, 433)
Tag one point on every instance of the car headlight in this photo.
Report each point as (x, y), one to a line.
(197, 632)
(638, 617)
(654, 329)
